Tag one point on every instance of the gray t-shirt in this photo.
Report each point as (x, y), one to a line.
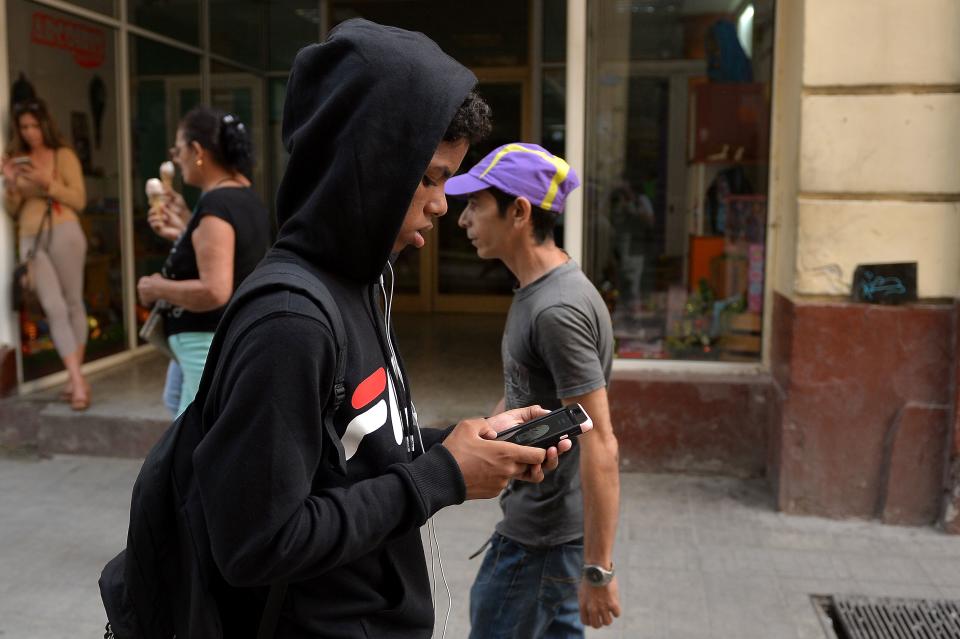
(558, 343)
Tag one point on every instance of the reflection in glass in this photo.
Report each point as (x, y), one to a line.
(164, 85)
(179, 20)
(240, 93)
(554, 31)
(553, 119)
(276, 92)
(494, 36)
(79, 85)
(101, 6)
(677, 178)
(236, 31)
(553, 133)
(292, 25)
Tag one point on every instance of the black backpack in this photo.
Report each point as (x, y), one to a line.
(162, 585)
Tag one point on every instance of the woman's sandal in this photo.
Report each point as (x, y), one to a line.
(82, 402)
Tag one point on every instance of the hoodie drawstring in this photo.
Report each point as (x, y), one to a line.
(409, 418)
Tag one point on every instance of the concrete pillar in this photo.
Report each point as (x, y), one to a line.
(877, 180)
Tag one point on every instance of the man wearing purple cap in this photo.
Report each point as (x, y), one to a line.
(557, 350)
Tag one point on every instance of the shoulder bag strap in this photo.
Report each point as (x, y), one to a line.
(45, 223)
(290, 277)
(48, 220)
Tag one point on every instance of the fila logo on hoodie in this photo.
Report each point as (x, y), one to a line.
(370, 420)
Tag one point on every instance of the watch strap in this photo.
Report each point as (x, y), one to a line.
(606, 576)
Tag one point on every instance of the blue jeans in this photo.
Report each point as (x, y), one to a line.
(527, 593)
(191, 351)
(171, 388)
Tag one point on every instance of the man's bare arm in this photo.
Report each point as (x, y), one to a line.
(600, 480)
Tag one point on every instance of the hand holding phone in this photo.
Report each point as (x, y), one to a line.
(18, 166)
(13, 168)
(549, 430)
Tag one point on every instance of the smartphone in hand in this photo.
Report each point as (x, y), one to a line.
(548, 430)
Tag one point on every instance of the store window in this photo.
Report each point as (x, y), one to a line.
(107, 7)
(554, 31)
(69, 63)
(291, 25)
(238, 31)
(178, 20)
(677, 174)
(236, 91)
(492, 34)
(164, 85)
(277, 153)
(460, 272)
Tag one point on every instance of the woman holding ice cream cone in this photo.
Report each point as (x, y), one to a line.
(215, 248)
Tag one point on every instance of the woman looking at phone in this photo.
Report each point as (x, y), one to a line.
(44, 192)
(223, 241)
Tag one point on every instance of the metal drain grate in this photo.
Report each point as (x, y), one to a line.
(857, 617)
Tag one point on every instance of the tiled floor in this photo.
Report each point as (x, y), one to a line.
(453, 362)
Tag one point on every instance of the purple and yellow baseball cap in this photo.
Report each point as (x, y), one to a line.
(520, 169)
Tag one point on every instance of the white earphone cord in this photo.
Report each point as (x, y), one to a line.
(433, 541)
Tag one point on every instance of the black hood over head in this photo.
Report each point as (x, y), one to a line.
(364, 112)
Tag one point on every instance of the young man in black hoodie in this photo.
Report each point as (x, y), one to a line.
(375, 120)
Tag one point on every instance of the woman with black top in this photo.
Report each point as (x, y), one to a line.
(223, 241)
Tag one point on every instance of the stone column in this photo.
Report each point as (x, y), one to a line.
(866, 392)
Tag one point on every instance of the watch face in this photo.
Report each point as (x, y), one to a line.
(593, 575)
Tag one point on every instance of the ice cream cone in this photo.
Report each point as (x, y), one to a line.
(154, 189)
(167, 171)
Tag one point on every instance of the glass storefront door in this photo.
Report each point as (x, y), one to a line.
(69, 53)
(70, 63)
(242, 94)
(164, 85)
(464, 282)
(446, 275)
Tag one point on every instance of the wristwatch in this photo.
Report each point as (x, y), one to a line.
(596, 575)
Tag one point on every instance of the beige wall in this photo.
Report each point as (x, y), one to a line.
(837, 235)
(879, 162)
(858, 42)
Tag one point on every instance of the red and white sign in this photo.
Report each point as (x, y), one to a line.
(87, 44)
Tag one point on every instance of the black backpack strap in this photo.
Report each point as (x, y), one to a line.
(289, 276)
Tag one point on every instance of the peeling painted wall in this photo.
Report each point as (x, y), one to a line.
(834, 236)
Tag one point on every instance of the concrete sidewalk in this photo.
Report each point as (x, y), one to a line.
(696, 557)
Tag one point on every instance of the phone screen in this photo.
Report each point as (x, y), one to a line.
(546, 431)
